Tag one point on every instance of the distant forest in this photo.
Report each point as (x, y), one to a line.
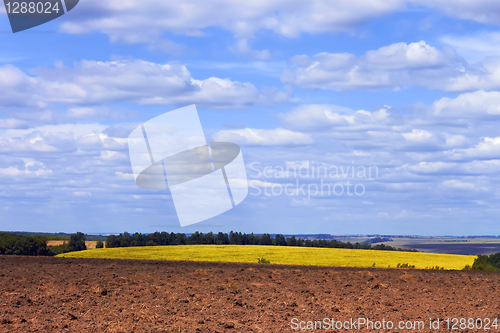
(36, 245)
(13, 244)
(24, 245)
(233, 238)
(56, 236)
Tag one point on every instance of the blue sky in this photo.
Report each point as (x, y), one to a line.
(410, 88)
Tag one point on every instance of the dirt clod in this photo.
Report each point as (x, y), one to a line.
(176, 296)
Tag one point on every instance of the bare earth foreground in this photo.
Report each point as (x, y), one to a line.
(103, 295)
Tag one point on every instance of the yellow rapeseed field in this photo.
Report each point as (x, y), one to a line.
(281, 255)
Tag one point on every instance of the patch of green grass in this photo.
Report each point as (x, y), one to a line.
(279, 255)
(263, 261)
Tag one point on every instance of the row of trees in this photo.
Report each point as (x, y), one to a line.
(11, 244)
(236, 238)
(486, 263)
(23, 245)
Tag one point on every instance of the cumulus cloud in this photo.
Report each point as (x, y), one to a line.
(432, 167)
(134, 81)
(97, 112)
(424, 157)
(487, 148)
(483, 11)
(431, 128)
(391, 67)
(475, 48)
(477, 104)
(457, 184)
(314, 117)
(13, 123)
(479, 168)
(419, 156)
(36, 142)
(146, 21)
(242, 47)
(457, 128)
(32, 168)
(417, 135)
(261, 137)
(66, 138)
(112, 155)
(82, 194)
(124, 176)
(122, 130)
(394, 67)
(74, 130)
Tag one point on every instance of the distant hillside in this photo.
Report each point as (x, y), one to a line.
(377, 240)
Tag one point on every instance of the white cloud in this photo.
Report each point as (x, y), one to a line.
(450, 128)
(402, 56)
(82, 112)
(60, 138)
(16, 87)
(82, 194)
(313, 117)
(147, 20)
(76, 130)
(431, 167)
(482, 167)
(483, 11)
(261, 137)
(394, 67)
(124, 176)
(32, 168)
(242, 47)
(477, 104)
(403, 214)
(417, 135)
(457, 184)
(455, 141)
(135, 81)
(12, 123)
(253, 183)
(111, 155)
(476, 47)
(35, 142)
(487, 148)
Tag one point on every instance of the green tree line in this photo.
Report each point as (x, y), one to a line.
(486, 263)
(13, 244)
(235, 238)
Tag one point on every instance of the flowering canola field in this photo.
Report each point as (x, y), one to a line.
(287, 255)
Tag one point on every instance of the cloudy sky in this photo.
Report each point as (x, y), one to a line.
(389, 111)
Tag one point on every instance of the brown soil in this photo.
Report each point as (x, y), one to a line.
(98, 295)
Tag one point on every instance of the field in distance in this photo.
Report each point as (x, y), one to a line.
(88, 244)
(280, 255)
(450, 245)
(439, 244)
